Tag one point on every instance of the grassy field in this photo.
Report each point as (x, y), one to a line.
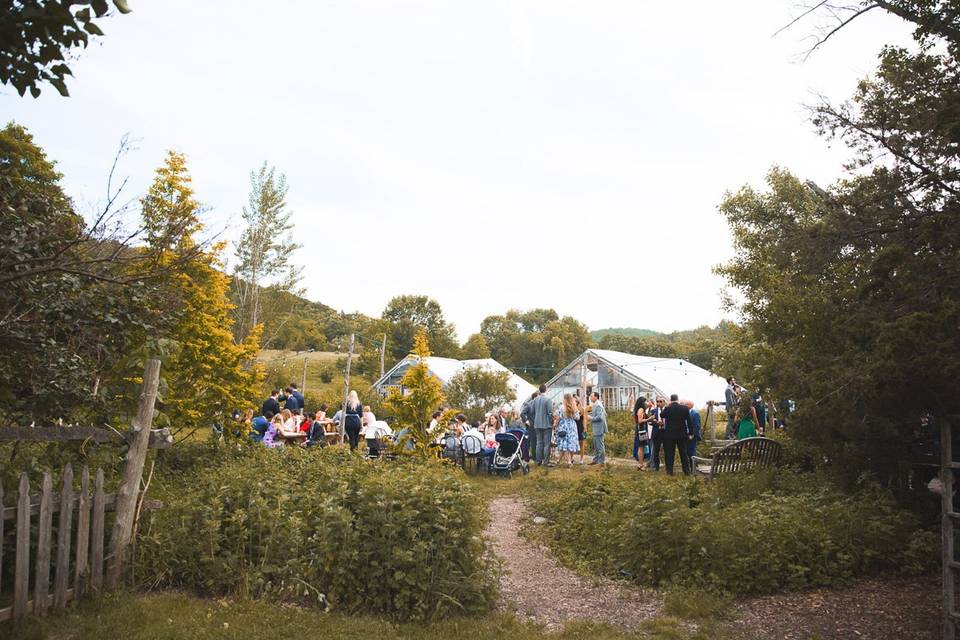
(175, 616)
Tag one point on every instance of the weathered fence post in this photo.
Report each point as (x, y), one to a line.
(21, 580)
(41, 579)
(82, 561)
(947, 528)
(1, 536)
(126, 504)
(64, 526)
(96, 534)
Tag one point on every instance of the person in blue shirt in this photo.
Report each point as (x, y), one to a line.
(696, 428)
(301, 403)
(259, 425)
(292, 403)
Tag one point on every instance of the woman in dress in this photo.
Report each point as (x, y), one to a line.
(567, 439)
(747, 417)
(641, 432)
(351, 419)
(581, 434)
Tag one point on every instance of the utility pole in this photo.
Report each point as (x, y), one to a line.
(346, 389)
(303, 377)
(383, 353)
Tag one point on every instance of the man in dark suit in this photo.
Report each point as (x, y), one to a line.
(272, 404)
(677, 432)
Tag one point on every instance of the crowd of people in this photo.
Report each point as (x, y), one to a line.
(664, 430)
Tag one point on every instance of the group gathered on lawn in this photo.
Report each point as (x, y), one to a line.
(664, 429)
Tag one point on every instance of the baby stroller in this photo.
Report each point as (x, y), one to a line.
(509, 454)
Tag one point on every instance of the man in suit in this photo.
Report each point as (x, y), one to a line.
(598, 426)
(301, 403)
(526, 418)
(697, 429)
(271, 405)
(677, 432)
(543, 425)
(730, 398)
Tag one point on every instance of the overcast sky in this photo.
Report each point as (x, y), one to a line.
(490, 154)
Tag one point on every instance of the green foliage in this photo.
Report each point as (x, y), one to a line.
(36, 37)
(476, 391)
(748, 533)
(851, 294)
(408, 315)
(536, 343)
(404, 535)
(71, 326)
(475, 348)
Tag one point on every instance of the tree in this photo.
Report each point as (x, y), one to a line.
(475, 348)
(535, 343)
(205, 373)
(477, 390)
(70, 323)
(263, 252)
(420, 395)
(409, 314)
(36, 37)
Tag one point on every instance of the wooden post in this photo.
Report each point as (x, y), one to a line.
(41, 578)
(64, 527)
(21, 580)
(82, 556)
(946, 526)
(346, 389)
(132, 474)
(303, 377)
(383, 354)
(712, 419)
(96, 534)
(1, 537)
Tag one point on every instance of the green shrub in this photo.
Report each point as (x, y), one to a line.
(747, 533)
(399, 538)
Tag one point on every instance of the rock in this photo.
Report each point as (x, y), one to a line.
(539, 520)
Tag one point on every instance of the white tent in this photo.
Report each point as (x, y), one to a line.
(445, 368)
(622, 377)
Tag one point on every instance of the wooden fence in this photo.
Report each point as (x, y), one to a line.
(77, 560)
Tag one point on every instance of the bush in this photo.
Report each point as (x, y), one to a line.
(400, 538)
(749, 533)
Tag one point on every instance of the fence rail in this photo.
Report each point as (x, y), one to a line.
(75, 555)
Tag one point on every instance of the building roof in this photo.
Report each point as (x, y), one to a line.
(446, 368)
(666, 375)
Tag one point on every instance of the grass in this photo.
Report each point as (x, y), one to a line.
(175, 616)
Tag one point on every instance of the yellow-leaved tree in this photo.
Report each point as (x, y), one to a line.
(205, 374)
(420, 394)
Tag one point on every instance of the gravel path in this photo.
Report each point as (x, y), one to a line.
(534, 586)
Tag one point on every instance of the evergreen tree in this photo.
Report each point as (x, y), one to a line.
(421, 395)
(206, 374)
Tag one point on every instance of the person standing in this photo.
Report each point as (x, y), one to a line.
(352, 418)
(598, 426)
(637, 440)
(677, 433)
(526, 418)
(301, 403)
(656, 434)
(760, 409)
(581, 432)
(504, 418)
(697, 427)
(543, 426)
(642, 418)
(272, 404)
(567, 439)
(730, 398)
(746, 419)
(291, 403)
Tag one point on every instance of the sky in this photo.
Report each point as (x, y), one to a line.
(490, 154)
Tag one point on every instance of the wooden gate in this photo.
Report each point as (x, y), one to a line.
(80, 519)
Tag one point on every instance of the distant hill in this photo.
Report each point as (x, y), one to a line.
(624, 331)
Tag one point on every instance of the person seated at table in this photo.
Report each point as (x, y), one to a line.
(317, 434)
(305, 422)
(488, 447)
(367, 418)
(374, 434)
(460, 424)
(271, 438)
(258, 426)
(288, 424)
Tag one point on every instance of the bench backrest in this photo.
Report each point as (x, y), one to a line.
(749, 453)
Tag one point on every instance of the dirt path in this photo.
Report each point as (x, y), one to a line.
(534, 586)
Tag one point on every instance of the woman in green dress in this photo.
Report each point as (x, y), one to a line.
(747, 417)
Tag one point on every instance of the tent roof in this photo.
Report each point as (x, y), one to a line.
(446, 368)
(667, 375)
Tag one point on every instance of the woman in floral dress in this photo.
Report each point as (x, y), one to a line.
(566, 420)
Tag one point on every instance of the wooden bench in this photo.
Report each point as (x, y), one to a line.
(742, 455)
